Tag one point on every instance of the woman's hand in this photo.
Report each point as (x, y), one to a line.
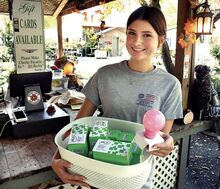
(164, 148)
(60, 168)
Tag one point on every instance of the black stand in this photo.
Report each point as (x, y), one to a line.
(41, 122)
(33, 98)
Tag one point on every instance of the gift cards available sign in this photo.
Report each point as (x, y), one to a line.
(28, 36)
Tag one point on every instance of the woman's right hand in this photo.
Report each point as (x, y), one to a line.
(60, 167)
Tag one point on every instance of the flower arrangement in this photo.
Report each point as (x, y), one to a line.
(189, 37)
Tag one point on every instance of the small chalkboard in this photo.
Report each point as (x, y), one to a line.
(33, 98)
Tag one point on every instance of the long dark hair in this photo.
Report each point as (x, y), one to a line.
(152, 15)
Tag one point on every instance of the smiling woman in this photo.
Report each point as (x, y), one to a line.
(142, 43)
(109, 87)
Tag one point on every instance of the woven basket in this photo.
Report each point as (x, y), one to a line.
(101, 174)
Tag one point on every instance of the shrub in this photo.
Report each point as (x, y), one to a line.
(215, 52)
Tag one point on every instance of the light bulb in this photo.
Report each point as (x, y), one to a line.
(153, 121)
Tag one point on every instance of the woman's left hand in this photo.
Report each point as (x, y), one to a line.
(163, 149)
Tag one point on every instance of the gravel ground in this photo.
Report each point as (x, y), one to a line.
(203, 171)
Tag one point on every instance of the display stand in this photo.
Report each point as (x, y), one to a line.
(33, 98)
(40, 122)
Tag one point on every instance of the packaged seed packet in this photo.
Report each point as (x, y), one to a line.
(78, 139)
(126, 136)
(98, 131)
(110, 151)
(114, 134)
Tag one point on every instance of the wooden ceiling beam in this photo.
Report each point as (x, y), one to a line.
(60, 8)
(75, 6)
(69, 8)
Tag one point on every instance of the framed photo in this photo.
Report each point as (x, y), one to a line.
(33, 98)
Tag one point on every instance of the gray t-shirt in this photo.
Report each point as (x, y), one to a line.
(127, 94)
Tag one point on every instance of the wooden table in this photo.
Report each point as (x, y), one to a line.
(27, 162)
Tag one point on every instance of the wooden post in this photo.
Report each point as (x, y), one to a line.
(60, 36)
(183, 59)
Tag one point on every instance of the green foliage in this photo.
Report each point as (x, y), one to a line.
(114, 5)
(3, 80)
(215, 52)
(216, 78)
(91, 39)
(6, 35)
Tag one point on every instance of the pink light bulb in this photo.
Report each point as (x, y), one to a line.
(153, 121)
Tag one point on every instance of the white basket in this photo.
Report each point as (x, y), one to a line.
(101, 174)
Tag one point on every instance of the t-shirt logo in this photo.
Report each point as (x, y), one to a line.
(146, 100)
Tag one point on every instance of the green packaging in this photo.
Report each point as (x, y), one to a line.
(78, 139)
(126, 136)
(114, 134)
(136, 154)
(110, 151)
(80, 129)
(101, 123)
(98, 131)
(90, 154)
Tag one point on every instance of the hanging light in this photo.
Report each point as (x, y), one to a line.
(204, 20)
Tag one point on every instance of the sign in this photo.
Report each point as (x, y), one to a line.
(33, 98)
(186, 66)
(28, 36)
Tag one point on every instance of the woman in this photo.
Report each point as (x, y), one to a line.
(128, 89)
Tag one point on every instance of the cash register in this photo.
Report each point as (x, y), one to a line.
(41, 117)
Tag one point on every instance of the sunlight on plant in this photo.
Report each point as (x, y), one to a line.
(6, 53)
(215, 52)
(6, 35)
(106, 9)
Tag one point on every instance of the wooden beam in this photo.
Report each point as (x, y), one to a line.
(183, 62)
(60, 8)
(69, 8)
(76, 6)
(60, 36)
